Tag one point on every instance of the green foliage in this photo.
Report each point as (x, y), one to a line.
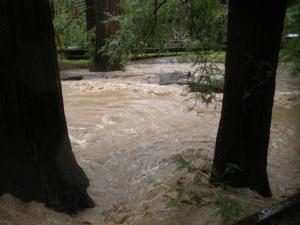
(206, 23)
(78, 62)
(232, 168)
(212, 57)
(229, 209)
(69, 23)
(91, 44)
(200, 193)
(174, 203)
(199, 173)
(161, 24)
(139, 28)
(291, 50)
(207, 80)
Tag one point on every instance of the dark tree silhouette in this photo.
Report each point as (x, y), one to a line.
(90, 13)
(254, 34)
(36, 159)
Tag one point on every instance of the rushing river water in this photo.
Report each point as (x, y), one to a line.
(284, 164)
(126, 129)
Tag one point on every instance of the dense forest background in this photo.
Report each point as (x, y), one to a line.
(191, 26)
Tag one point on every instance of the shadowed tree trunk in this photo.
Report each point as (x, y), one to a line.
(52, 8)
(103, 32)
(254, 34)
(36, 159)
(90, 13)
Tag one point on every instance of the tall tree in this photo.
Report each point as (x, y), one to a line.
(36, 159)
(253, 42)
(90, 13)
(96, 15)
(105, 30)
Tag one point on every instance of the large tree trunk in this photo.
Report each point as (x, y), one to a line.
(36, 159)
(52, 8)
(254, 34)
(103, 32)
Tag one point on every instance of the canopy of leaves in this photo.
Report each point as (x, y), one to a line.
(70, 24)
(166, 23)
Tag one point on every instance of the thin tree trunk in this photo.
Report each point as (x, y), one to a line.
(90, 15)
(36, 158)
(254, 34)
(103, 32)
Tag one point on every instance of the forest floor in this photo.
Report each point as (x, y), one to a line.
(127, 130)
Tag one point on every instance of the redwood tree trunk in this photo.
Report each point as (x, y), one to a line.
(254, 34)
(103, 32)
(52, 8)
(90, 13)
(36, 159)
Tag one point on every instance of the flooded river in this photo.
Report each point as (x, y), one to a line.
(126, 128)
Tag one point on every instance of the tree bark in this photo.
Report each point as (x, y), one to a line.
(52, 8)
(36, 158)
(254, 35)
(103, 32)
(224, 2)
(90, 13)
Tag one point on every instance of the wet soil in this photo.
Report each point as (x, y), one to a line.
(126, 128)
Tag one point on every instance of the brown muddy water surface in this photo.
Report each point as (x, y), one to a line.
(126, 128)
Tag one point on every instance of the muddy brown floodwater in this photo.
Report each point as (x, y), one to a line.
(126, 128)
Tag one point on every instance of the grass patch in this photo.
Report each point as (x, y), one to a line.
(79, 62)
(187, 57)
(212, 56)
(229, 209)
(181, 57)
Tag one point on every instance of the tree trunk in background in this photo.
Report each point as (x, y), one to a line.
(103, 32)
(254, 34)
(36, 158)
(90, 13)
